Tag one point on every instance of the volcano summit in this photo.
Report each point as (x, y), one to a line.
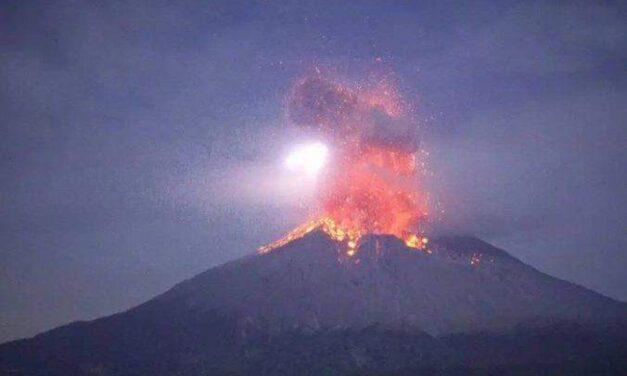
(307, 307)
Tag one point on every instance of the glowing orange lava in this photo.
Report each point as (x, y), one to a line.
(348, 237)
(372, 184)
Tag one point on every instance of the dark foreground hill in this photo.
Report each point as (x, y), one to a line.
(308, 309)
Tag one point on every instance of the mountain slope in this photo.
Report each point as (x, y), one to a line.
(308, 284)
(307, 307)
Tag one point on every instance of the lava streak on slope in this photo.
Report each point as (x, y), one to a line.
(372, 184)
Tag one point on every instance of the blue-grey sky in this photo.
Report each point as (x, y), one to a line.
(136, 136)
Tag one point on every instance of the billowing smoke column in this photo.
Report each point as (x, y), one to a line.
(374, 116)
(372, 185)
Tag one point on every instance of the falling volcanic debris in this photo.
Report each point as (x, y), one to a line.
(372, 186)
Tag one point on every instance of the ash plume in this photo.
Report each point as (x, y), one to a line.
(342, 112)
(372, 185)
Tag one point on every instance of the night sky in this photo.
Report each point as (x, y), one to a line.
(139, 141)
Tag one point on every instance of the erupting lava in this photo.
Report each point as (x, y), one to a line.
(372, 184)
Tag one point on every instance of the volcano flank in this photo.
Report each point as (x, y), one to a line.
(308, 308)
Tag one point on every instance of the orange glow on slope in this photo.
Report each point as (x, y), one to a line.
(347, 237)
(372, 185)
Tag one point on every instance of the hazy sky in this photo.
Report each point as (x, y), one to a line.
(137, 138)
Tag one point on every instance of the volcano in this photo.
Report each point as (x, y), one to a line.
(306, 308)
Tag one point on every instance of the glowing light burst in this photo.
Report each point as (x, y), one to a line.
(309, 158)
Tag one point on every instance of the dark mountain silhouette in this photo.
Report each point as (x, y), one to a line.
(307, 308)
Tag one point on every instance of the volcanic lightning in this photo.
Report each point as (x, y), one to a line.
(309, 158)
(373, 184)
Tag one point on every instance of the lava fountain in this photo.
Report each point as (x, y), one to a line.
(372, 184)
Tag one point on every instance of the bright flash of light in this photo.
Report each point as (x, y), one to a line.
(309, 158)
